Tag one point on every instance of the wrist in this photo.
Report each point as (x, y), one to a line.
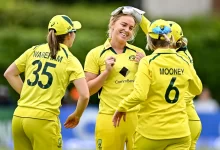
(77, 114)
(106, 72)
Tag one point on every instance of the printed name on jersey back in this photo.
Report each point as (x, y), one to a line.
(46, 55)
(171, 71)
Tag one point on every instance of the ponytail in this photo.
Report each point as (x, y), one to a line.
(53, 43)
(153, 44)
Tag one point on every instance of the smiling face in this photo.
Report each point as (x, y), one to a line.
(122, 28)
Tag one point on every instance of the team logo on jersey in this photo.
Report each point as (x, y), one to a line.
(132, 57)
(99, 143)
(124, 71)
(69, 28)
(59, 143)
(52, 24)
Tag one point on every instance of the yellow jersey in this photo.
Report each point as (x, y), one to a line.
(160, 84)
(190, 108)
(145, 23)
(46, 80)
(119, 83)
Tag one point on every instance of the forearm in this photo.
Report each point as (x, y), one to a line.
(15, 82)
(82, 103)
(96, 84)
(141, 88)
(131, 101)
(144, 24)
(195, 86)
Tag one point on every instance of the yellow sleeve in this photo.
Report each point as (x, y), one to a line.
(141, 87)
(141, 51)
(195, 85)
(91, 62)
(189, 56)
(75, 69)
(21, 61)
(144, 24)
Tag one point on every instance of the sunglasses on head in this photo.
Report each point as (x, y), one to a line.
(72, 31)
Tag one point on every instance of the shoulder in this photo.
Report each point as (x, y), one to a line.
(73, 60)
(32, 49)
(97, 49)
(96, 52)
(184, 58)
(39, 46)
(186, 55)
(135, 48)
(72, 57)
(152, 58)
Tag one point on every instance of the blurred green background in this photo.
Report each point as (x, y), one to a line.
(23, 23)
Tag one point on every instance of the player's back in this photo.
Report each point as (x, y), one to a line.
(163, 114)
(45, 78)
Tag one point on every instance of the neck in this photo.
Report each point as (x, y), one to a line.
(166, 47)
(66, 43)
(117, 45)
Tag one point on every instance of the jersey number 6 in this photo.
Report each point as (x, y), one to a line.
(169, 89)
(44, 72)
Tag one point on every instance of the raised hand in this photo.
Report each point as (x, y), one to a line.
(135, 12)
(109, 63)
(139, 56)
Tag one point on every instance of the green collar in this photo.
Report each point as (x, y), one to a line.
(64, 46)
(107, 46)
(164, 51)
(182, 49)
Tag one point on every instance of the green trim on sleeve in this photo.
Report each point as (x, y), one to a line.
(191, 61)
(65, 52)
(182, 58)
(154, 57)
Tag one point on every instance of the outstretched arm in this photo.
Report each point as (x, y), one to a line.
(139, 16)
(144, 24)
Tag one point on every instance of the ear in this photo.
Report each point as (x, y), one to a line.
(68, 36)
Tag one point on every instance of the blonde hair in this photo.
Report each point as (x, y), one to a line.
(153, 44)
(115, 18)
(54, 42)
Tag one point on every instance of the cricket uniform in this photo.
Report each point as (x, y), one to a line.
(35, 122)
(194, 120)
(116, 87)
(160, 85)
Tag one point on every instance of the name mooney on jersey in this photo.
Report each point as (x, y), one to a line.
(171, 71)
(47, 56)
